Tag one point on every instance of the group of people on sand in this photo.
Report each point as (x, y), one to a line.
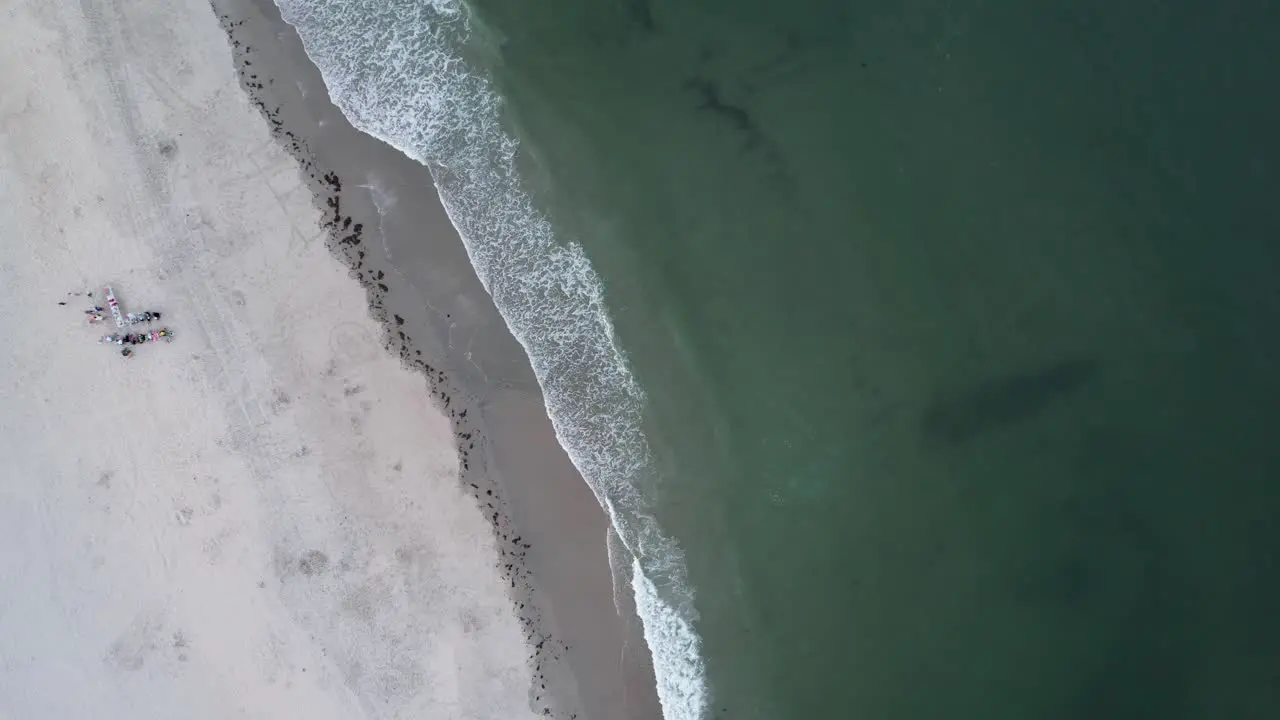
(137, 339)
(148, 316)
(97, 314)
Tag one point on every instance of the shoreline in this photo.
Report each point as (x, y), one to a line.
(400, 75)
(268, 517)
(422, 288)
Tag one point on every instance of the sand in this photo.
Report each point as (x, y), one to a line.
(269, 517)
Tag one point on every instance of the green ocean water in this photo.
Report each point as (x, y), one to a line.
(958, 326)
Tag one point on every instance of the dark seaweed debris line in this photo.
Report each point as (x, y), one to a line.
(345, 239)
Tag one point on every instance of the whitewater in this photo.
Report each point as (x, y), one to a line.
(394, 69)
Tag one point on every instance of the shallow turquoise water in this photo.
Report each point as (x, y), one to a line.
(957, 325)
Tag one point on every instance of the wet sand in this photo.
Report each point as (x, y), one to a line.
(270, 517)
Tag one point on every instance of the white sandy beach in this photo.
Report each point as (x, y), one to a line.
(261, 519)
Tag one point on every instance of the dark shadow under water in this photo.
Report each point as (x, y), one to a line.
(1005, 400)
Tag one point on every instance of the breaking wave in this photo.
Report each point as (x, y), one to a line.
(393, 68)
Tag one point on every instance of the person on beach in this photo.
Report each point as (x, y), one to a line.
(142, 317)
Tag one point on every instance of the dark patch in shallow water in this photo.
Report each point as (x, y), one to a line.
(711, 101)
(1005, 400)
(641, 14)
(711, 98)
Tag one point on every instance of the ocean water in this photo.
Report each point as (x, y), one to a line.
(924, 353)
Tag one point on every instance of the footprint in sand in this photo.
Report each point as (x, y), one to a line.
(138, 642)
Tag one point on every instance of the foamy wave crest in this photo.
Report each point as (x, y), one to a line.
(392, 67)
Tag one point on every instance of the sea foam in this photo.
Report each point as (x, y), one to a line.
(393, 69)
